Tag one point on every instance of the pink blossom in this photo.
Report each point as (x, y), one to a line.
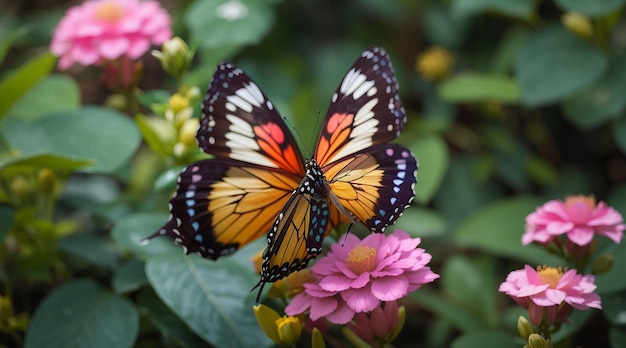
(382, 324)
(551, 293)
(356, 275)
(578, 217)
(101, 30)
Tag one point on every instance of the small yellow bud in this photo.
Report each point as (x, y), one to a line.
(536, 341)
(267, 317)
(603, 264)
(435, 64)
(289, 330)
(187, 134)
(174, 56)
(524, 328)
(317, 340)
(46, 179)
(177, 102)
(578, 24)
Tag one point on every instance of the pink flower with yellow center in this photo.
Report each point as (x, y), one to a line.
(551, 293)
(357, 275)
(578, 217)
(101, 30)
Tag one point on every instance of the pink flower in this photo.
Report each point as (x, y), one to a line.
(551, 293)
(578, 217)
(108, 29)
(356, 275)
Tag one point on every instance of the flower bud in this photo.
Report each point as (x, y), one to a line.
(174, 56)
(536, 341)
(603, 264)
(267, 317)
(46, 179)
(289, 330)
(577, 24)
(524, 328)
(177, 102)
(317, 340)
(187, 133)
(435, 64)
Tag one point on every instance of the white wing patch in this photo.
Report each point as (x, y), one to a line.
(240, 140)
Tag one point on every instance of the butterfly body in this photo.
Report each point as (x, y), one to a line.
(258, 183)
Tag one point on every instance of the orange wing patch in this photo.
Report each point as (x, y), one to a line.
(271, 140)
(246, 202)
(334, 137)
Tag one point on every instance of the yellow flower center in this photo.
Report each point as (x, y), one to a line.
(109, 11)
(550, 275)
(575, 199)
(362, 259)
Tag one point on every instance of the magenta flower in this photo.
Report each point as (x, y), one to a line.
(357, 275)
(579, 218)
(101, 30)
(550, 294)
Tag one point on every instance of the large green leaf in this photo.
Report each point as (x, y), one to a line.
(91, 248)
(473, 87)
(55, 162)
(212, 297)
(54, 93)
(82, 314)
(590, 8)
(548, 66)
(600, 102)
(432, 154)
(129, 277)
(228, 23)
(498, 227)
(174, 332)
(20, 81)
(102, 135)
(518, 8)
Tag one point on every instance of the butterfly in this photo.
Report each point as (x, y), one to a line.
(258, 183)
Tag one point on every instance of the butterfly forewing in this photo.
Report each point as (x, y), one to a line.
(240, 123)
(364, 111)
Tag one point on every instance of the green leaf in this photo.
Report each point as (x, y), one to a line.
(619, 133)
(617, 337)
(600, 102)
(131, 231)
(548, 66)
(174, 332)
(167, 179)
(90, 133)
(459, 316)
(432, 154)
(498, 228)
(20, 81)
(486, 339)
(473, 87)
(82, 314)
(7, 41)
(51, 161)
(470, 282)
(519, 8)
(154, 96)
(590, 8)
(421, 222)
(441, 27)
(212, 297)
(130, 277)
(613, 280)
(228, 23)
(157, 132)
(91, 248)
(614, 308)
(54, 93)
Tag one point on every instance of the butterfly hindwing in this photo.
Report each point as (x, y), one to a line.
(376, 185)
(240, 123)
(221, 205)
(365, 110)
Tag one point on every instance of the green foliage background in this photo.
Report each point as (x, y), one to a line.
(531, 111)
